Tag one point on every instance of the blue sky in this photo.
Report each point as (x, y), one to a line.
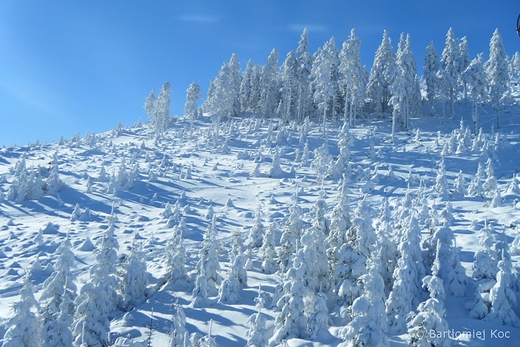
(78, 66)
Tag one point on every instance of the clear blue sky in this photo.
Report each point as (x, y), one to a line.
(78, 66)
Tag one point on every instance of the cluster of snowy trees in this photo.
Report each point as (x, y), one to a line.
(33, 183)
(333, 83)
(368, 271)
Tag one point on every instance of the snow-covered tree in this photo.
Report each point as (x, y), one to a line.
(353, 78)
(381, 77)
(290, 236)
(497, 71)
(502, 297)
(149, 106)
(450, 270)
(24, 328)
(98, 298)
(256, 234)
(208, 265)
(236, 80)
(475, 187)
(430, 316)
(249, 91)
(408, 81)
(256, 335)
(450, 68)
(268, 251)
(161, 110)
(430, 68)
(441, 183)
(179, 336)
(269, 85)
(53, 183)
(193, 96)
(304, 93)
(368, 325)
(134, 278)
(288, 86)
(176, 255)
(58, 294)
(291, 322)
(324, 79)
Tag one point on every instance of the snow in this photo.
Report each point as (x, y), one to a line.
(136, 186)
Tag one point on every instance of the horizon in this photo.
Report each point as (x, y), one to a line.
(75, 67)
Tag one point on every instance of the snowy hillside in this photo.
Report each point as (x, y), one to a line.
(266, 182)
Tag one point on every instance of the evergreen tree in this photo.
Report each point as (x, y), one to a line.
(475, 80)
(304, 60)
(256, 333)
(161, 110)
(98, 298)
(430, 316)
(290, 236)
(134, 280)
(368, 325)
(502, 297)
(353, 78)
(381, 77)
(450, 68)
(236, 81)
(193, 96)
(208, 265)
(149, 106)
(24, 328)
(179, 336)
(256, 234)
(497, 71)
(291, 322)
(58, 294)
(268, 252)
(269, 85)
(289, 86)
(220, 101)
(430, 68)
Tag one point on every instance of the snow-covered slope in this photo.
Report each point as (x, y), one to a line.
(142, 187)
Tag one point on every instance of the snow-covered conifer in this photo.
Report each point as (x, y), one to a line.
(256, 335)
(475, 80)
(368, 325)
(134, 280)
(490, 185)
(24, 328)
(290, 236)
(161, 110)
(476, 187)
(450, 68)
(193, 96)
(269, 85)
(276, 170)
(176, 255)
(497, 71)
(354, 78)
(268, 252)
(431, 67)
(450, 270)
(179, 336)
(290, 322)
(58, 294)
(257, 231)
(430, 315)
(381, 77)
(441, 184)
(460, 184)
(208, 265)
